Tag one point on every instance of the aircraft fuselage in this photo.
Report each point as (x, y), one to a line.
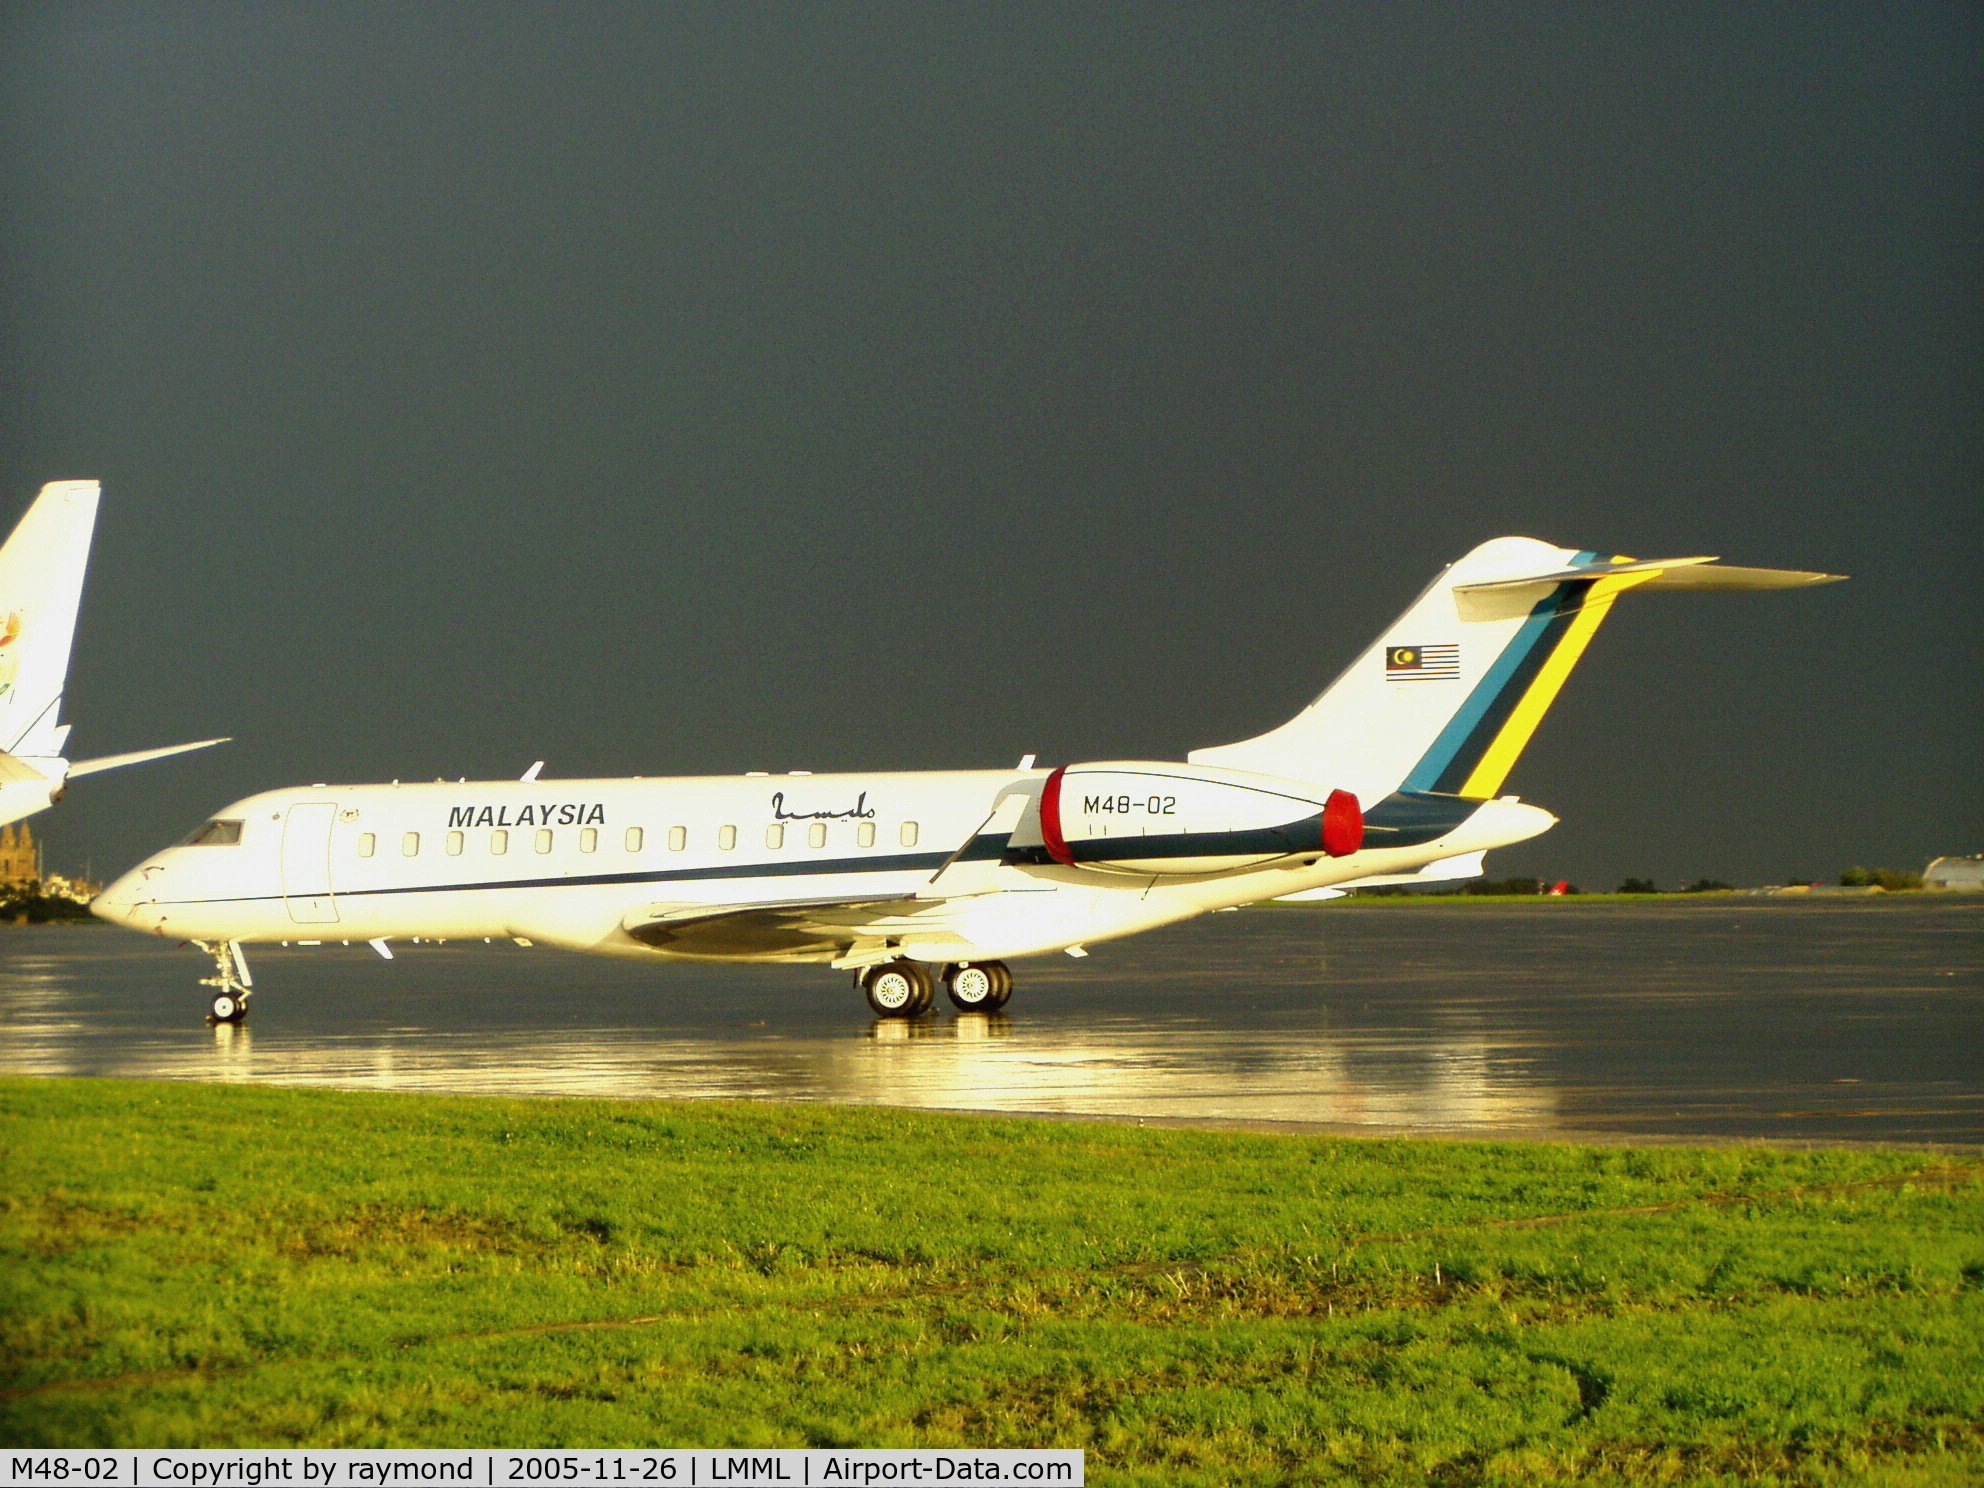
(610, 866)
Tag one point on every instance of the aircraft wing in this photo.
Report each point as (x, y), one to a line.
(854, 931)
(136, 757)
(850, 932)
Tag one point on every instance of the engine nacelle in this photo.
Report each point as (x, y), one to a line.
(1137, 817)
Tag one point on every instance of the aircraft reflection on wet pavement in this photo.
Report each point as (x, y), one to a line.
(973, 1061)
(1845, 1020)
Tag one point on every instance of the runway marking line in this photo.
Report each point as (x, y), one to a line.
(1939, 1177)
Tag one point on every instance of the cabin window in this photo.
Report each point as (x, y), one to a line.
(726, 838)
(678, 838)
(367, 844)
(634, 839)
(816, 835)
(775, 835)
(864, 835)
(409, 844)
(499, 842)
(454, 844)
(217, 834)
(543, 842)
(909, 834)
(589, 840)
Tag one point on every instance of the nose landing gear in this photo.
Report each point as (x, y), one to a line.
(233, 985)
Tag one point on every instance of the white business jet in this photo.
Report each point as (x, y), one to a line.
(911, 879)
(41, 586)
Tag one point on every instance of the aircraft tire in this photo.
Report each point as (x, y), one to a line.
(899, 989)
(973, 988)
(1002, 979)
(227, 1008)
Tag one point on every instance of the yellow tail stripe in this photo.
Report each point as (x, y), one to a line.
(1500, 756)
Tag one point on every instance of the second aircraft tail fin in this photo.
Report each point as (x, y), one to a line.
(41, 586)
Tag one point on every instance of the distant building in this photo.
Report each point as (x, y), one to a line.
(1954, 873)
(20, 860)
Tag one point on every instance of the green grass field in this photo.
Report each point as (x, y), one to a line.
(215, 1265)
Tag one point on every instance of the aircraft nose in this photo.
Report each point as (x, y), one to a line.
(122, 901)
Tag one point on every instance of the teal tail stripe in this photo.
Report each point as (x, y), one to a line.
(1509, 673)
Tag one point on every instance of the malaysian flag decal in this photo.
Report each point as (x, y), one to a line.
(1438, 663)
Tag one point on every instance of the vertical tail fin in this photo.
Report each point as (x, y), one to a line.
(1447, 697)
(41, 585)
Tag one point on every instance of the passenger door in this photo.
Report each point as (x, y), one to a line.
(306, 863)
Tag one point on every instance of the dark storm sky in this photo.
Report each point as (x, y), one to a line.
(667, 389)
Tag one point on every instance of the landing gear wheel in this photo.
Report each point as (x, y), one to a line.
(973, 988)
(1002, 983)
(899, 989)
(232, 983)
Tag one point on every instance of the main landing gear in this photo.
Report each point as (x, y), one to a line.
(233, 985)
(978, 986)
(906, 989)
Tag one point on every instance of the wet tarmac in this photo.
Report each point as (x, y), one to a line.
(1818, 1020)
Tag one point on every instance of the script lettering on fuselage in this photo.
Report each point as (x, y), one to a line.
(551, 814)
(859, 811)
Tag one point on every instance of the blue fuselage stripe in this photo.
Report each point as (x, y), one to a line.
(895, 863)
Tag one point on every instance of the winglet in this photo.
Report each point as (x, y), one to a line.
(975, 875)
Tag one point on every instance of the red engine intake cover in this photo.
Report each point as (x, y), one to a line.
(1343, 824)
(1050, 820)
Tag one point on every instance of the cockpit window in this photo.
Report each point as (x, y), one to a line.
(216, 834)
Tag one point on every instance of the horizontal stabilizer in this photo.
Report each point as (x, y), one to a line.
(136, 757)
(1664, 573)
(1731, 578)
